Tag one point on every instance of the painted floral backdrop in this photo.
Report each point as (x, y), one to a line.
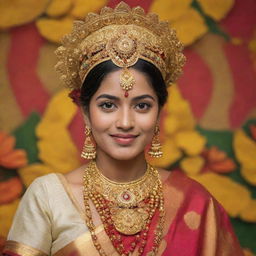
(208, 125)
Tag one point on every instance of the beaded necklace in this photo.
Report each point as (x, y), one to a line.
(125, 209)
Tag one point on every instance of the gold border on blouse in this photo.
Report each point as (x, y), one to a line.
(22, 249)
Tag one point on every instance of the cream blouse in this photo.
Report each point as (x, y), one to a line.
(48, 217)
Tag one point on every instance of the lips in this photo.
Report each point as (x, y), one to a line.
(124, 139)
(124, 136)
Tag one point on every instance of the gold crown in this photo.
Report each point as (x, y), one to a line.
(122, 35)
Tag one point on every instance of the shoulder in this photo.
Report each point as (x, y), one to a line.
(41, 182)
(38, 190)
(52, 179)
(181, 182)
(75, 177)
(164, 174)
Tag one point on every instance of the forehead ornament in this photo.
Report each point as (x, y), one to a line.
(123, 53)
(126, 81)
(123, 35)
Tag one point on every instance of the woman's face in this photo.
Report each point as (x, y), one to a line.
(123, 126)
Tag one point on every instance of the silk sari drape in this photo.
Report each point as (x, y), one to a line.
(195, 225)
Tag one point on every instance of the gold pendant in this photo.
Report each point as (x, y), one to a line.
(126, 80)
(130, 221)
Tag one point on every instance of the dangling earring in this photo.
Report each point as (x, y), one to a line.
(156, 148)
(89, 151)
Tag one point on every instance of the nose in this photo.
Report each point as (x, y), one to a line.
(125, 120)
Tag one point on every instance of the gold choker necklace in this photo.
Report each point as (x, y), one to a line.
(124, 208)
(126, 194)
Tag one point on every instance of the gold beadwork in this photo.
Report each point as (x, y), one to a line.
(89, 151)
(156, 148)
(130, 221)
(119, 218)
(136, 190)
(125, 198)
(122, 35)
(126, 80)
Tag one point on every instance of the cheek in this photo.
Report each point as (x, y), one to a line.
(148, 121)
(99, 120)
(147, 124)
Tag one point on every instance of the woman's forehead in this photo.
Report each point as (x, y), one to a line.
(111, 84)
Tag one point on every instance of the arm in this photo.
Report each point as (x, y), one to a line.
(30, 233)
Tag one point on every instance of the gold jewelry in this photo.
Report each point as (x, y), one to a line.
(125, 198)
(124, 208)
(127, 194)
(122, 35)
(89, 151)
(156, 148)
(126, 81)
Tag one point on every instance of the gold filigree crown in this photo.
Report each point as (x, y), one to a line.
(122, 35)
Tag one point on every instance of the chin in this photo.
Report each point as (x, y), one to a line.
(124, 155)
(123, 158)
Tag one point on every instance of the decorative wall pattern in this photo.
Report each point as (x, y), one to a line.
(208, 125)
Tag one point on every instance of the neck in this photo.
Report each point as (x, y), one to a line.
(121, 170)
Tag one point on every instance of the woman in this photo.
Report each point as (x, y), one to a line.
(118, 65)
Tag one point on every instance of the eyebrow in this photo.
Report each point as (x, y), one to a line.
(111, 97)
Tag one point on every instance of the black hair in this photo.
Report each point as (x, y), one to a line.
(98, 73)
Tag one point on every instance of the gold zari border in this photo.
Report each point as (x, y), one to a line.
(22, 249)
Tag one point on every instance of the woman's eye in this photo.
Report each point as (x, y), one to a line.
(107, 105)
(143, 106)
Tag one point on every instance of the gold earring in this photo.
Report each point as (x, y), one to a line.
(156, 148)
(89, 151)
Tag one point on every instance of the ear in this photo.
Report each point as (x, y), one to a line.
(159, 116)
(86, 118)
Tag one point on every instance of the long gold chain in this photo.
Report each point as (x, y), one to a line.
(124, 208)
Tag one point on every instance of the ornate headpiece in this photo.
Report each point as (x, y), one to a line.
(122, 35)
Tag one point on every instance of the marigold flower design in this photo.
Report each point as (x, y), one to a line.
(9, 157)
(59, 15)
(19, 12)
(216, 9)
(57, 8)
(233, 196)
(10, 190)
(210, 160)
(57, 151)
(54, 29)
(187, 20)
(245, 150)
(248, 252)
(183, 143)
(7, 212)
(218, 161)
(179, 134)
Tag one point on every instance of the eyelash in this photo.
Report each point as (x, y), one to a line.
(103, 105)
(146, 106)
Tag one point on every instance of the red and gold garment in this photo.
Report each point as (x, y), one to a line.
(49, 221)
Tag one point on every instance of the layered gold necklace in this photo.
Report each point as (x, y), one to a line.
(125, 209)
